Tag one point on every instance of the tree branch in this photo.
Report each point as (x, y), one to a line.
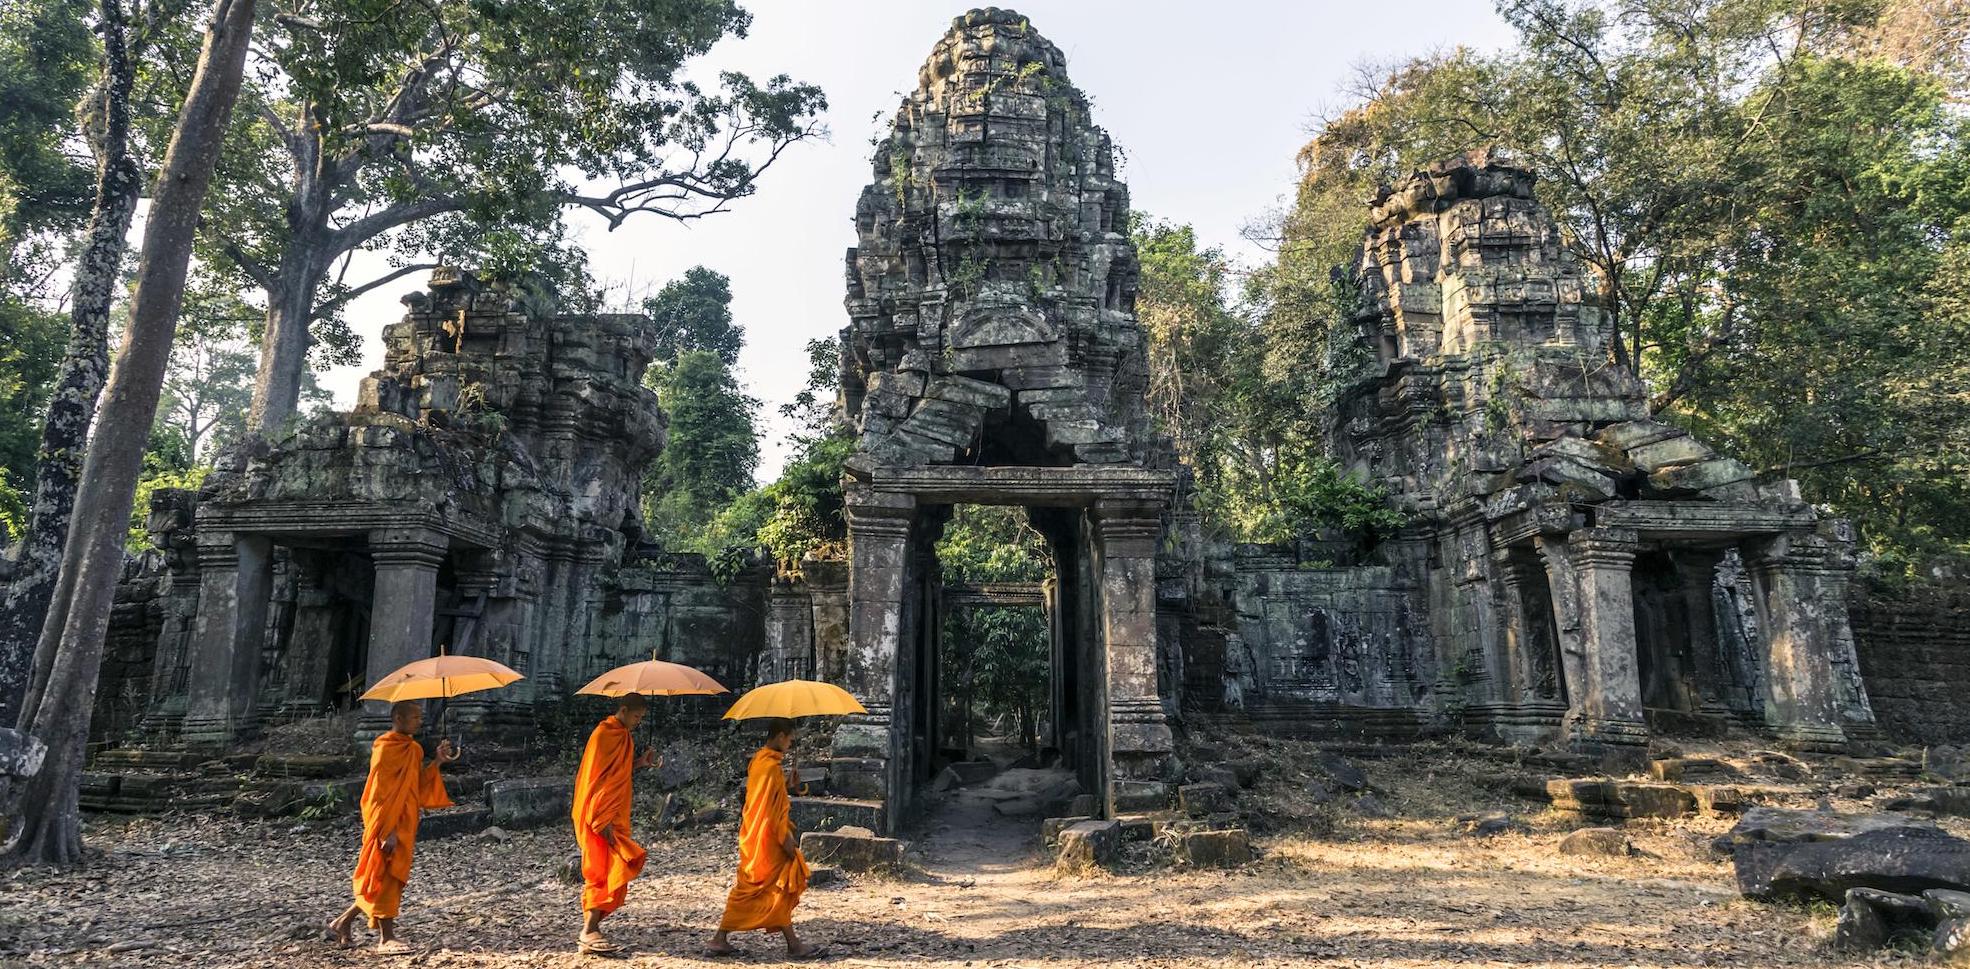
(347, 295)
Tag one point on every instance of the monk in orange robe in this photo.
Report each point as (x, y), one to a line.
(610, 858)
(400, 786)
(772, 874)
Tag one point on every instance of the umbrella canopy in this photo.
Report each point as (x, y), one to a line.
(794, 698)
(441, 676)
(653, 678)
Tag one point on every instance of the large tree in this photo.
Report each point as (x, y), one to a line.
(411, 128)
(129, 29)
(710, 452)
(47, 821)
(694, 312)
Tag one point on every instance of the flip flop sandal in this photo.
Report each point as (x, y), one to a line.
(732, 953)
(814, 953)
(598, 947)
(335, 939)
(395, 947)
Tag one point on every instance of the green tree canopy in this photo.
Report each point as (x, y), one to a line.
(711, 452)
(694, 312)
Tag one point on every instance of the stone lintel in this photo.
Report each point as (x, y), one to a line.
(1073, 486)
(314, 519)
(1700, 519)
(1030, 595)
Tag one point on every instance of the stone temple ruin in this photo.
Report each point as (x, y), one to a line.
(1573, 572)
(1573, 567)
(481, 497)
(992, 356)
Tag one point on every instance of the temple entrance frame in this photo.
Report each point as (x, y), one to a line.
(1103, 525)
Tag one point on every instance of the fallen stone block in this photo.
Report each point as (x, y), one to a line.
(1141, 795)
(452, 822)
(1904, 860)
(1199, 800)
(1346, 775)
(1017, 807)
(1050, 828)
(828, 813)
(1088, 844)
(526, 801)
(1791, 826)
(1620, 799)
(1603, 842)
(302, 765)
(853, 849)
(1212, 849)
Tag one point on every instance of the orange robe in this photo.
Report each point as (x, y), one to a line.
(601, 800)
(400, 785)
(770, 880)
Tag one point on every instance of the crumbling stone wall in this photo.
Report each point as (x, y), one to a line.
(1914, 647)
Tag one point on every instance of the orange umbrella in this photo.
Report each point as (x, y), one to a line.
(653, 678)
(794, 698)
(441, 676)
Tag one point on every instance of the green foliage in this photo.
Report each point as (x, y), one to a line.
(31, 345)
(711, 453)
(513, 112)
(47, 58)
(13, 510)
(158, 474)
(694, 312)
(1247, 426)
(1771, 196)
(795, 517)
(996, 661)
(812, 410)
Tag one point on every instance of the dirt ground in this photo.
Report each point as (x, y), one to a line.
(1411, 890)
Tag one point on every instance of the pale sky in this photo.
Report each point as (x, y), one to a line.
(1207, 101)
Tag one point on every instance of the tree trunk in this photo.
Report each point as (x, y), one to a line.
(65, 431)
(56, 710)
(284, 348)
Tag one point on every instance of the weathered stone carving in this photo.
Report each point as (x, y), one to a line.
(991, 291)
(1563, 565)
(482, 496)
(993, 356)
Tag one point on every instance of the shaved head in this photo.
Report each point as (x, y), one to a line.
(778, 729)
(407, 715)
(630, 708)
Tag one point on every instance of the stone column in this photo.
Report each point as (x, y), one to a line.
(1788, 573)
(401, 610)
(1139, 742)
(310, 641)
(1606, 711)
(879, 553)
(474, 574)
(789, 652)
(827, 590)
(1531, 683)
(235, 578)
(1697, 569)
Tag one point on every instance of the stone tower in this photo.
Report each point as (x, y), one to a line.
(991, 293)
(993, 357)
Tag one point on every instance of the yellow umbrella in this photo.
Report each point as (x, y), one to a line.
(794, 698)
(441, 676)
(653, 678)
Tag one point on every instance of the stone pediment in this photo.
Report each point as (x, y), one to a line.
(999, 325)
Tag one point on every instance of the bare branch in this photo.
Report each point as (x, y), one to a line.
(348, 295)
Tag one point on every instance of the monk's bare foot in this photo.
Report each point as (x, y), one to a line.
(337, 933)
(719, 948)
(803, 950)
